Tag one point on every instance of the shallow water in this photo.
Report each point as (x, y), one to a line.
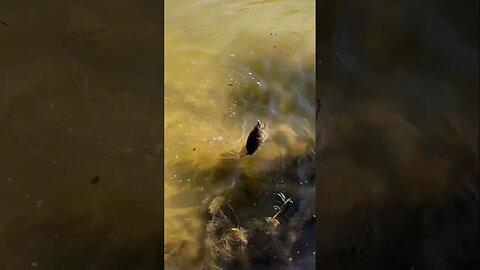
(227, 65)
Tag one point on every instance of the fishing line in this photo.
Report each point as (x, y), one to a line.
(228, 200)
(233, 211)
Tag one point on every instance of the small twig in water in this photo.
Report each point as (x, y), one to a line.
(5, 24)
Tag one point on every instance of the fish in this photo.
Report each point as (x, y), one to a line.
(256, 138)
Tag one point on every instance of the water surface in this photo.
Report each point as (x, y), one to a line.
(81, 97)
(227, 65)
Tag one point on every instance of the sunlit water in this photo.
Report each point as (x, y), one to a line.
(228, 64)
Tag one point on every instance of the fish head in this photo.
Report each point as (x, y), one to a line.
(261, 125)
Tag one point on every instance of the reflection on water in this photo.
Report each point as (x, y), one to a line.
(80, 97)
(228, 64)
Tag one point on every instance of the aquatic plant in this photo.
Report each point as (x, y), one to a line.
(280, 209)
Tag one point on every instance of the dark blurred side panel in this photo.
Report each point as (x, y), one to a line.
(397, 135)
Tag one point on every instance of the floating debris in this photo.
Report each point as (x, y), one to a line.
(38, 203)
(95, 180)
(218, 139)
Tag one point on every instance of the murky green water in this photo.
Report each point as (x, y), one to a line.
(80, 97)
(228, 64)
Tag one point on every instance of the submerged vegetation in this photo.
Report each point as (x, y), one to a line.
(222, 240)
(256, 244)
(280, 210)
